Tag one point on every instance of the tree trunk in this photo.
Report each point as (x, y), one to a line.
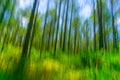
(34, 28)
(87, 37)
(6, 33)
(3, 12)
(57, 29)
(54, 25)
(65, 30)
(113, 28)
(99, 6)
(70, 27)
(4, 42)
(75, 39)
(61, 34)
(50, 31)
(104, 30)
(94, 31)
(44, 28)
(20, 69)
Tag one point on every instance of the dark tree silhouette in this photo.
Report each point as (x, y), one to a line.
(94, 24)
(61, 34)
(65, 29)
(113, 27)
(70, 27)
(21, 64)
(34, 28)
(99, 9)
(4, 9)
(57, 28)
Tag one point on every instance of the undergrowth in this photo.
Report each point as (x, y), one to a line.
(99, 65)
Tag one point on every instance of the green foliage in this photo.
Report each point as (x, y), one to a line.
(90, 65)
(84, 64)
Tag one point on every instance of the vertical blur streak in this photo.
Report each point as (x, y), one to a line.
(62, 25)
(6, 38)
(65, 29)
(21, 63)
(56, 38)
(44, 27)
(34, 27)
(94, 24)
(99, 9)
(113, 27)
(4, 9)
(71, 17)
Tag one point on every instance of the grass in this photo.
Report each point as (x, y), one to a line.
(85, 66)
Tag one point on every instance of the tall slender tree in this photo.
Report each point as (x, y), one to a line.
(62, 25)
(4, 9)
(57, 28)
(54, 24)
(29, 29)
(34, 28)
(94, 25)
(113, 27)
(99, 9)
(21, 63)
(70, 26)
(44, 27)
(50, 31)
(8, 24)
(65, 29)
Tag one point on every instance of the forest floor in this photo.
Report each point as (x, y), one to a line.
(85, 66)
